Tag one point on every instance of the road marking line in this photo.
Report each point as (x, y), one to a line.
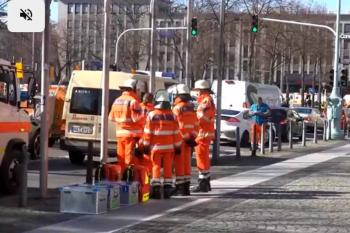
(228, 184)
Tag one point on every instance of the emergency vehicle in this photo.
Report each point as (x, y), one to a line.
(15, 126)
(82, 110)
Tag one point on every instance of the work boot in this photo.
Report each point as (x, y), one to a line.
(155, 192)
(208, 183)
(167, 191)
(201, 187)
(179, 190)
(186, 191)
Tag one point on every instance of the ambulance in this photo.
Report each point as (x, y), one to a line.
(15, 126)
(82, 110)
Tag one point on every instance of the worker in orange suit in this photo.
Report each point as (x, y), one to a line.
(162, 141)
(126, 112)
(146, 107)
(206, 116)
(188, 124)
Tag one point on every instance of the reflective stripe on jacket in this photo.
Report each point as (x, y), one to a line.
(126, 113)
(187, 119)
(161, 131)
(206, 115)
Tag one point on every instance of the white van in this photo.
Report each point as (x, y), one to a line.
(82, 110)
(242, 94)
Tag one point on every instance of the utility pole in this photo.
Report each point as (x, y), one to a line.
(152, 83)
(216, 149)
(334, 106)
(105, 81)
(44, 123)
(188, 43)
(33, 53)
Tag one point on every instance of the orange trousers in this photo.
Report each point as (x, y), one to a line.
(183, 164)
(159, 158)
(125, 151)
(202, 155)
(146, 162)
(258, 133)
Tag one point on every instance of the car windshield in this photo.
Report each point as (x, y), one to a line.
(88, 100)
(303, 110)
(229, 112)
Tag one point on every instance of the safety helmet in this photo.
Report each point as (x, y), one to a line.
(162, 96)
(129, 83)
(201, 85)
(182, 89)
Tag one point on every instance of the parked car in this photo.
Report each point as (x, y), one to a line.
(310, 115)
(231, 119)
(283, 116)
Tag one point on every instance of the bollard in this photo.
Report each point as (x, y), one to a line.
(290, 135)
(324, 131)
(271, 139)
(303, 139)
(279, 137)
(262, 139)
(238, 143)
(89, 167)
(254, 141)
(23, 192)
(329, 130)
(315, 131)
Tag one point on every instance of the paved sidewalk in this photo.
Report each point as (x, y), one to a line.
(45, 212)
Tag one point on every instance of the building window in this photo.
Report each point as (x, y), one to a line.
(77, 8)
(99, 9)
(85, 8)
(115, 8)
(70, 8)
(245, 65)
(245, 51)
(93, 8)
(347, 28)
(70, 24)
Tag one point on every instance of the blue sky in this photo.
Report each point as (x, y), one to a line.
(330, 5)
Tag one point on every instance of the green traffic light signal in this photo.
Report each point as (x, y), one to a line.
(194, 28)
(194, 32)
(255, 24)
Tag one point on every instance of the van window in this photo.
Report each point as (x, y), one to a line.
(88, 100)
(8, 88)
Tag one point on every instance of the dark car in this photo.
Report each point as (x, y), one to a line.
(282, 116)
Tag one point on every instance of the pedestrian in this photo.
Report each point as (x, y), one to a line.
(259, 112)
(127, 115)
(308, 100)
(162, 140)
(188, 124)
(206, 117)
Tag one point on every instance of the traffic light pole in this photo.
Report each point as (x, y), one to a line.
(188, 43)
(334, 101)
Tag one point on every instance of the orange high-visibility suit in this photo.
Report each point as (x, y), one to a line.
(126, 113)
(188, 124)
(146, 160)
(162, 136)
(206, 117)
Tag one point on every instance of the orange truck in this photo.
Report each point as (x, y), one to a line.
(57, 94)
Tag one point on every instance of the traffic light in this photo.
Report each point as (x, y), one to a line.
(344, 78)
(194, 29)
(255, 24)
(331, 77)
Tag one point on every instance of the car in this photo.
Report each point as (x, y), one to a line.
(311, 115)
(230, 120)
(282, 116)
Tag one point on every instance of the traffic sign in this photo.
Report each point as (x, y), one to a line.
(345, 36)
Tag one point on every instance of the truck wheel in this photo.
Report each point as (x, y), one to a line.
(245, 139)
(34, 146)
(10, 172)
(76, 157)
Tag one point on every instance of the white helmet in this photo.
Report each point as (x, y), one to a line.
(133, 84)
(182, 89)
(129, 83)
(162, 96)
(201, 85)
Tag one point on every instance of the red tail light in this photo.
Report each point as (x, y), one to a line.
(283, 122)
(233, 120)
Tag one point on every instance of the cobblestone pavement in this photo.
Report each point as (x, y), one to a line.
(316, 199)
